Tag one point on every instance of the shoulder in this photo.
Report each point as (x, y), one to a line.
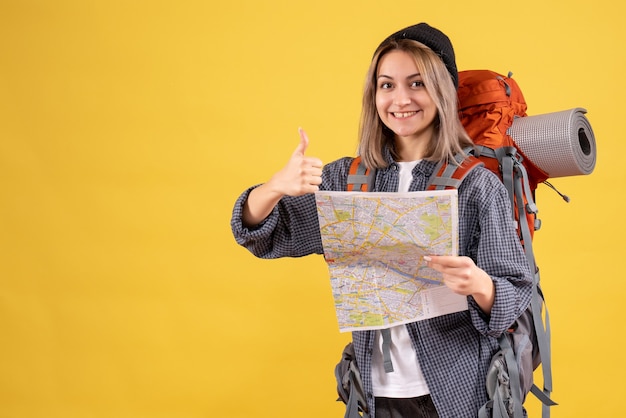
(484, 186)
(335, 174)
(481, 176)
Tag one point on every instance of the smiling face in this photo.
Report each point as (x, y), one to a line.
(402, 101)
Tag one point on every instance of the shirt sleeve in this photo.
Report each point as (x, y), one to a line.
(292, 229)
(495, 247)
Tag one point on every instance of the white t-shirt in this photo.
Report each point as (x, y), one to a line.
(407, 379)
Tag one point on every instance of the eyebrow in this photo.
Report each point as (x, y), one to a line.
(391, 78)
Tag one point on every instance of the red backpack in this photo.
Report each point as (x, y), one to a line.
(488, 104)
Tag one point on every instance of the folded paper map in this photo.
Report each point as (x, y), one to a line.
(375, 243)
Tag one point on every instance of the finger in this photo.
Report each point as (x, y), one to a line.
(433, 261)
(316, 170)
(313, 162)
(440, 259)
(315, 180)
(443, 264)
(447, 260)
(304, 142)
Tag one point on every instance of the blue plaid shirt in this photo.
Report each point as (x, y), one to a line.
(453, 350)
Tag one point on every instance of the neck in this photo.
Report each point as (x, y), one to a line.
(410, 149)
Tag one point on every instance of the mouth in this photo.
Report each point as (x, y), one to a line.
(403, 115)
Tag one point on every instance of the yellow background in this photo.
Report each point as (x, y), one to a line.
(129, 127)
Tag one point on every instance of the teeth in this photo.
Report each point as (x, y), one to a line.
(403, 114)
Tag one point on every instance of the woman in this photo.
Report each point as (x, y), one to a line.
(409, 123)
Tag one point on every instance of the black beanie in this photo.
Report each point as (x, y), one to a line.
(435, 40)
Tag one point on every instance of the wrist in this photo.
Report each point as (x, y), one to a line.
(485, 296)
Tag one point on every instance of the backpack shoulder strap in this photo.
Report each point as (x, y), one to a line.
(360, 178)
(450, 175)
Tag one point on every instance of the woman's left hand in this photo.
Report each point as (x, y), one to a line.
(464, 277)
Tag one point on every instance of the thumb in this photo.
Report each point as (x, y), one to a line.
(304, 143)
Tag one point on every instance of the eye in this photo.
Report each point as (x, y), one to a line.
(385, 85)
(417, 84)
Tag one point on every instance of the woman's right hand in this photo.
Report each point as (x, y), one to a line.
(300, 176)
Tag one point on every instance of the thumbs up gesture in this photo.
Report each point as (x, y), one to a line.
(302, 174)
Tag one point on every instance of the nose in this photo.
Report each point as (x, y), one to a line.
(401, 97)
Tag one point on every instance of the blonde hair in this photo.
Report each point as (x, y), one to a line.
(450, 136)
